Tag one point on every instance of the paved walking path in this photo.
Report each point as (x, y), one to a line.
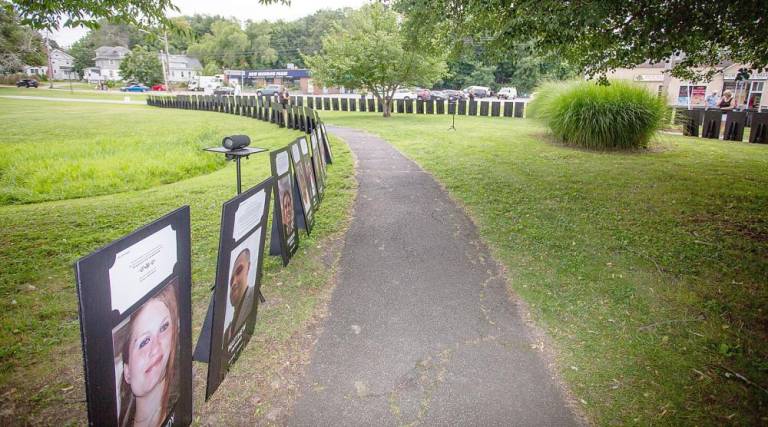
(96, 101)
(420, 327)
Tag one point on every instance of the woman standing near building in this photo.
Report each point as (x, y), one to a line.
(726, 101)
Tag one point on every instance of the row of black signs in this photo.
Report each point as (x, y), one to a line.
(711, 123)
(238, 103)
(135, 294)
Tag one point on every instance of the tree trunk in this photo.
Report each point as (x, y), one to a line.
(386, 103)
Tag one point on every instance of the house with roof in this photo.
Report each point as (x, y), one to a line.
(108, 59)
(62, 64)
(182, 68)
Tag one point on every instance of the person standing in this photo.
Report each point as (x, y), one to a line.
(726, 101)
(711, 100)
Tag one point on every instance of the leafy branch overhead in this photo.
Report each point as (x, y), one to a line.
(599, 36)
(369, 52)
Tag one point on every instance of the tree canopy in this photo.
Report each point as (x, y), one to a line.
(598, 35)
(369, 52)
(19, 45)
(142, 66)
(53, 14)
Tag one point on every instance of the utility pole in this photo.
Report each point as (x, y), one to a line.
(167, 68)
(50, 66)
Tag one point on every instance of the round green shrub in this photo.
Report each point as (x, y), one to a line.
(618, 116)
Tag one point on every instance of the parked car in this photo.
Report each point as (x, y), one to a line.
(26, 83)
(134, 88)
(477, 91)
(507, 93)
(438, 95)
(269, 90)
(423, 94)
(454, 95)
(224, 90)
(159, 88)
(406, 94)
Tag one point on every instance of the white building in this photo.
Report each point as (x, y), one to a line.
(182, 68)
(62, 65)
(36, 70)
(108, 59)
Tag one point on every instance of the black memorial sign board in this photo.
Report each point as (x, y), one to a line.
(352, 104)
(430, 104)
(495, 108)
(310, 102)
(335, 103)
(451, 107)
(758, 132)
(287, 208)
(306, 161)
(238, 277)
(136, 325)
(519, 109)
(440, 107)
(362, 104)
(371, 105)
(419, 106)
(472, 108)
(734, 125)
(462, 107)
(409, 106)
(326, 143)
(327, 104)
(484, 108)
(303, 183)
(344, 104)
(508, 107)
(318, 163)
(400, 106)
(379, 106)
(711, 125)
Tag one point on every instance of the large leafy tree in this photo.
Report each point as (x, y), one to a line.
(600, 35)
(19, 45)
(370, 52)
(53, 14)
(226, 45)
(142, 65)
(263, 55)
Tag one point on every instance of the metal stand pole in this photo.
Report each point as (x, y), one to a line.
(239, 186)
(453, 120)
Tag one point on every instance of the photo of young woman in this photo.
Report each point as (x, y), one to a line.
(285, 198)
(147, 350)
(301, 177)
(242, 284)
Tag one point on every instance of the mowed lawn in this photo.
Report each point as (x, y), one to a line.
(60, 91)
(649, 270)
(41, 378)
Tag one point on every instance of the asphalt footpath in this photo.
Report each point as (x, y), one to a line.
(421, 329)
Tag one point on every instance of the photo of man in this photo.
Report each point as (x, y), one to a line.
(301, 177)
(241, 286)
(285, 198)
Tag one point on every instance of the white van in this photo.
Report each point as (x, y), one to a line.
(507, 93)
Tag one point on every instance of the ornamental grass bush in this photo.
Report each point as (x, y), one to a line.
(618, 116)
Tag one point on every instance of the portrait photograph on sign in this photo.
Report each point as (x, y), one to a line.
(236, 293)
(135, 315)
(285, 228)
(318, 166)
(306, 162)
(303, 184)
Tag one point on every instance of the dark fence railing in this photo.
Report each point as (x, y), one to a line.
(728, 125)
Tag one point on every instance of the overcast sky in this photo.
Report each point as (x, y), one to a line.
(240, 9)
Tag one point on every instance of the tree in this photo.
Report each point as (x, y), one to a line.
(262, 53)
(369, 52)
(19, 45)
(143, 66)
(598, 35)
(227, 45)
(48, 14)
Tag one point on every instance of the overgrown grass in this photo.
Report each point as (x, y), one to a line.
(40, 367)
(60, 150)
(648, 269)
(621, 116)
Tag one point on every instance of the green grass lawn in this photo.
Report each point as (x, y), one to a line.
(649, 270)
(60, 91)
(40, 366)
(64, 150)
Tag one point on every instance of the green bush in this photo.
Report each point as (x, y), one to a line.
(619, 116)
